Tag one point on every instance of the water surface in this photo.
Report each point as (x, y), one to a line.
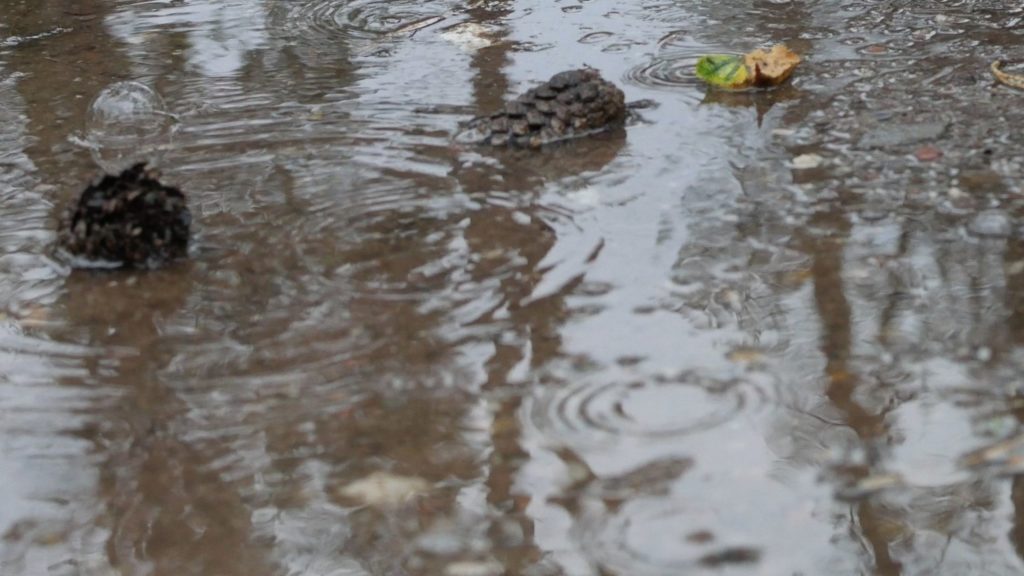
(664, 350)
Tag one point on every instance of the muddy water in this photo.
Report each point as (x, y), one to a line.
(666, 350)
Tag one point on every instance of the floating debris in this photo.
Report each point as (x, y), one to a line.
(746, 355)
(469, 36)
(995, 455)
(701, 537)
(404, 31)
(651, 478)
(412, 28)
(129, 220)
(475, 568)
(571, 104)
(868, 486)
(1011, 80)
(758, 69)
(384, 489)
(731, 555)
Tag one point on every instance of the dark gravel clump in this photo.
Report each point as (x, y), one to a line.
(130, 219)
(571, 104)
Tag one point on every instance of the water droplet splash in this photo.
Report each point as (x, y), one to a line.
(127, 123)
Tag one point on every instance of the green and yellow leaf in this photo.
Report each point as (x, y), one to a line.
(724, 70)
(760, 68)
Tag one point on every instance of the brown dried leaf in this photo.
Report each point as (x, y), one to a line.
(772, 67)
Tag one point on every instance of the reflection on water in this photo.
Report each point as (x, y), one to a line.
(661, 350)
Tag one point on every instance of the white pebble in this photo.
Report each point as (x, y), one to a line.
(384, 489)
(807, 161)
(468, 568)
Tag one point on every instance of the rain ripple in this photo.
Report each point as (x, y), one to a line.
(675, 71)
(660, 407)
(673, 67)
(363, 19)
(646, 537)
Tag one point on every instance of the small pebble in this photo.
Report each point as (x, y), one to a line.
(468, 568)
(807, 161)
(469, 36)
(521, 218)
(384, 489)
(928, 153)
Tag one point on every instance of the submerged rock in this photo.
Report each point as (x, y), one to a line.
(384, 489)
(571, 104)
(129, 220)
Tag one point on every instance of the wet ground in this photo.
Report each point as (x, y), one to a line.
(777, 333)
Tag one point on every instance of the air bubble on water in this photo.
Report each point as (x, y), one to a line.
(127, 123)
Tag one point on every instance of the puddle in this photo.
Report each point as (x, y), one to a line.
(759, 333)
